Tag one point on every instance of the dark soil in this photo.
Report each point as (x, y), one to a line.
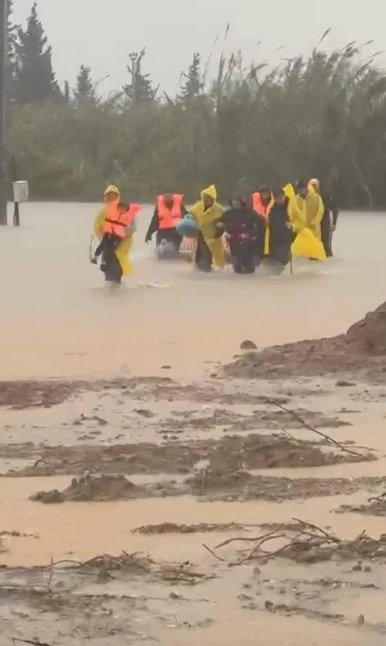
(104, 488)
(360, 352)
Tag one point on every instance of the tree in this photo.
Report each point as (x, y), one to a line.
(323, 116)
(84, 92)
(66, 94)
(11, 53)
(140, 91)
(35, 76)
(192, 80)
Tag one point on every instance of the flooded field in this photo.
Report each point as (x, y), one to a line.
(55, 309)
(149, 496)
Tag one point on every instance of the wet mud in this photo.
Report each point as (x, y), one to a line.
(375, 506)
(246, 450)
(210, 485)
(136, 598)
(360, 353)
(229, 454)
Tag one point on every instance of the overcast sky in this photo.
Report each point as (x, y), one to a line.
(101, 33)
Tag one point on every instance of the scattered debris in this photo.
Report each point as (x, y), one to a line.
(200, 528)
(144, 412)
(290, 610)
(216, 468)
(343, 383)
(93, 418)
(306, 543)
(376, 507)
(315, 430)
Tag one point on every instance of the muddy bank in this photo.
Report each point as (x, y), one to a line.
(221, 485)
(360, 353)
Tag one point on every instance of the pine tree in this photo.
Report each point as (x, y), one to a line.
(11, 53)
(193, 84)
(35, 76)
(140, 91)
(84, 92)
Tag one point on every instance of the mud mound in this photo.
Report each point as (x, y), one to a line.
(19, 395)
(361, 351)
(369, 334)
(140, 564)
(231, 453)
(132, 563)
(98, 489)
(375, 506)
(242, 486)
(223, 484)
(200, 528)
(270, 452)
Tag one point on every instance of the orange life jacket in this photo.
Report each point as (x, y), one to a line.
(259, 207)
(169, 218)
(116, 223)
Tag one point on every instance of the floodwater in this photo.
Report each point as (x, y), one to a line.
(58, 318)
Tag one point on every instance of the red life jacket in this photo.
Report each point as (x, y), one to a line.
(116, 223)
(259, 207)
(169, 218)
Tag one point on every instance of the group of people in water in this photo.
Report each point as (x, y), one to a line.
(269, 227)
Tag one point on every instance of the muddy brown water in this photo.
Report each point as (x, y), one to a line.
(55, 307)
(59, 320)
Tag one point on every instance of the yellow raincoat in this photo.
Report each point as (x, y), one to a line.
(207, 220)
(123, 249)
(305, 216)
(297, 212)
(314, 213)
